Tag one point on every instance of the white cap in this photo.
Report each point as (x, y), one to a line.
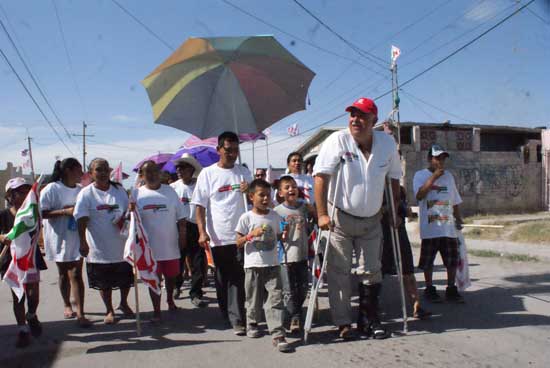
(436, 150)
(15, 183)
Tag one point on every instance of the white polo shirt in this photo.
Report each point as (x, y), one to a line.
(362, 183)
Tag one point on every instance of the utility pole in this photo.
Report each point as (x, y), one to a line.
(395, 52)
(83, 135)
(30, 157)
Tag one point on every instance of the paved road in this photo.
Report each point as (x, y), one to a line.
(505, 323)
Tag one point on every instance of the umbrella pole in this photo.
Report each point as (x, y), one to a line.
(240, 160)
(253, 159)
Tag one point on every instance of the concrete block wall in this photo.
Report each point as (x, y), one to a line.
(489, 182)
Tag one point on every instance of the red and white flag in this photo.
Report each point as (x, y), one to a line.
(395, 52)
(24, 152)
(24, 239)
(138, 253)
(293, 130)
(116, 175)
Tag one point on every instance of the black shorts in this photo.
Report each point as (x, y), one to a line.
(103, 276)
(447, 247)
(388, 262)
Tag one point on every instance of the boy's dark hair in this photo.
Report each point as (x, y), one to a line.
(293, 154)
(227, 136)
(285, 179)
(258, 183)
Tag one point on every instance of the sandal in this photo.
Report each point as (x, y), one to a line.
(84, 322)
(127, 312)
(109, 320)
(69, 315)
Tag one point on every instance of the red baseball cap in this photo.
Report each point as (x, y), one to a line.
(364, 104)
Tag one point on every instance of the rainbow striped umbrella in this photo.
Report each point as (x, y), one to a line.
(240, 84)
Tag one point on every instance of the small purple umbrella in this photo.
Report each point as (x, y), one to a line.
(205, 155)
(160, 159)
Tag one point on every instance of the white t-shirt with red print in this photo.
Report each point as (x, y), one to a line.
(218, 191)
(185, 193)
(436, 209)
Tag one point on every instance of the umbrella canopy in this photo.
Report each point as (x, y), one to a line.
(160, 159)
(205, 155)
(240, 84)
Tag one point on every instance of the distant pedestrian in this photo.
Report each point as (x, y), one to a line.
(100, 211)
(218, 196)
(257, 233)
(61, 241)
(438, 201)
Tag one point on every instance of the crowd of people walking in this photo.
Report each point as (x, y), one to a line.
(258, 233)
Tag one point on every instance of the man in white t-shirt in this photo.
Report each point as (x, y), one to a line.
(438, 201)
(365, 157)
(188, 169)
(220, 202)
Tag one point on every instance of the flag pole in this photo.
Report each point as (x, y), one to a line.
(138, 319)
(136, 292)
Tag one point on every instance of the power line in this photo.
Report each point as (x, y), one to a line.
(458, 37)
(306, 42)
(367, 55)
(539, 17)
(437, 108)
(436, 33)
(143, 25)
(34, 101)
(42, 93)
(412, 24)
(69, 61)
(421, 73)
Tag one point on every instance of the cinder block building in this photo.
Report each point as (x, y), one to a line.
(498, 169)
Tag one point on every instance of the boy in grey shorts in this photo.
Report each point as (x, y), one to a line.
(258, 231)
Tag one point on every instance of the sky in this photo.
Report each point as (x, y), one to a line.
(89, 56)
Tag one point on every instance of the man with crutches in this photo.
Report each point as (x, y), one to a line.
(364, 157)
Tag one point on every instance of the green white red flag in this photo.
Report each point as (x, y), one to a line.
(24, 240)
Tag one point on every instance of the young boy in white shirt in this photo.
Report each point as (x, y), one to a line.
(258, 231)
(294, 267)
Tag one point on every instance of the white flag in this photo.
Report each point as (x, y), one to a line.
(395, 52)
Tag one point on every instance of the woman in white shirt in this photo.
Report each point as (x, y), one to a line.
(57, 201)
(295, 163)
(163, 217)
(100, 212)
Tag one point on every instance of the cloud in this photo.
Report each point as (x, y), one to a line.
(483, 11)
(123, 118)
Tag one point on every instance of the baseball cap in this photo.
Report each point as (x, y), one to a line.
(437, 150)
(15, 183)
(364, 104)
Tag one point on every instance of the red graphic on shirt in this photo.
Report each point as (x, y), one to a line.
(229, 188)
(185, 200)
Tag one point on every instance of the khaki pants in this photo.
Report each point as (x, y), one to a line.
(364, 236)
(259, 281)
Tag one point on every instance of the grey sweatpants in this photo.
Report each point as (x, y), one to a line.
(364, 236)
(257, 282)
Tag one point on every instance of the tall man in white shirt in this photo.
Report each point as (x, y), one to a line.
(219, 201)
(365, 157)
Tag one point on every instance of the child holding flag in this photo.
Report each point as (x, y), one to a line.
(17, 190)
(257, 231)
(294, 251)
